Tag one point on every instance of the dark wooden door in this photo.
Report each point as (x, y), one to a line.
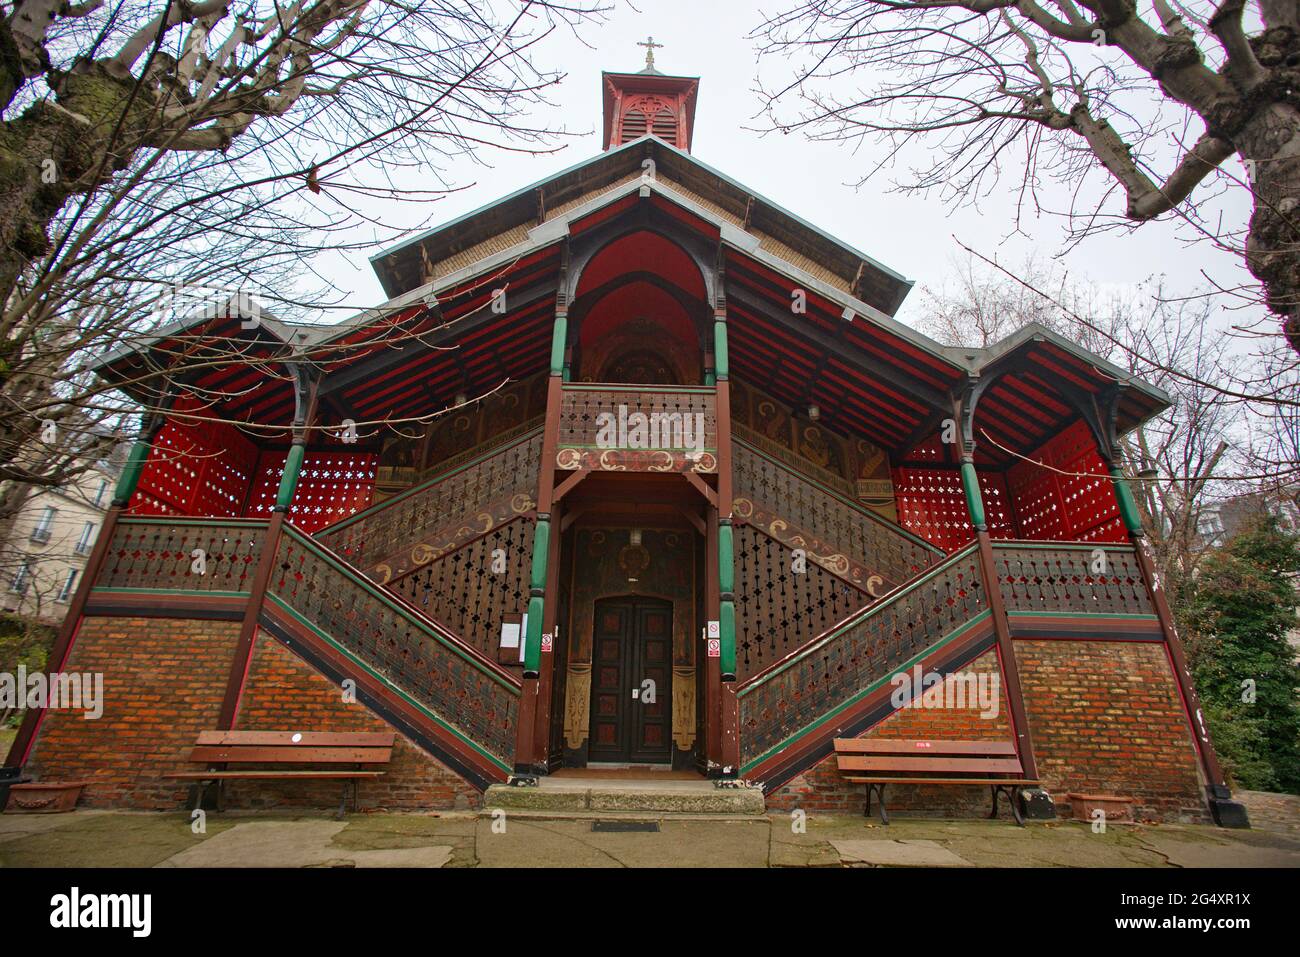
(632, 655)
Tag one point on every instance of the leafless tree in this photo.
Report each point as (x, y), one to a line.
(151, 146)
(1155, 99)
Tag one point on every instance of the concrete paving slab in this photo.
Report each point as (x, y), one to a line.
(887, 853)
(298, 844)
(573, 844)
(17, 826)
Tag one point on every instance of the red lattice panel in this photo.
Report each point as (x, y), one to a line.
(195, 468)
(332, 486)
(1080, 506)
(931, 504)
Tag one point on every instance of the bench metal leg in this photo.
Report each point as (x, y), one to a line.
(880, 797)
(1013, 798)
(343, 802)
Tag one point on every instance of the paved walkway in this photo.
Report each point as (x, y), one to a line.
(520, 838)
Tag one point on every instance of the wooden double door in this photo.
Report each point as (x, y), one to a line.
(631, 682)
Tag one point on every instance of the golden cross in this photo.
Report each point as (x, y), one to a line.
(650, 46)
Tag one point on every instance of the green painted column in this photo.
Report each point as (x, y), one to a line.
(1128, 509)
(970, 484)
(536, 601)
(720, 364)
(559, 339)
(131, 471)
(726, 544)
(289, 479)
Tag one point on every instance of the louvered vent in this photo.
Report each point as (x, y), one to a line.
(665, 126)
(634, 125)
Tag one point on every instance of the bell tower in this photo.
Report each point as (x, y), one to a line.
(649, 102)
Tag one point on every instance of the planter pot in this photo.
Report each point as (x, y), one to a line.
(44, 798)
(1119, 810)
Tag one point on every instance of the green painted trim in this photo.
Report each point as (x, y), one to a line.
(131, 472)
(1128, 509)
(721, 365)
(423, 708)
(432, 480)
(710, 378)
(289, 478)
(1007, 544)
(559, 339)
(803, 732)
(970, 484)
(541, 553)
(187, 520)
(727, 644)
(110, 590)
(726, 559)
(860, 617)
(1081, 615)
(533, 640)
(839, 497)
(376, 591)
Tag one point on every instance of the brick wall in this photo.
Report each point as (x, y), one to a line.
(163, 683)
(285, 693)
(823, 788)
(1104, 717)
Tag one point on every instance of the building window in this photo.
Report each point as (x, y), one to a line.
(87, 536)
(100, 493)
(68, 584)
(21, 579)
(44, 528)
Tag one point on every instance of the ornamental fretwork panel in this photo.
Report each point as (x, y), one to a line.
(1087, 580)
(842, 537)
(442, 515)
(445, 677)
(182, 555)
(781, 702)
(474, 589)
(627, 429)
(782, 600)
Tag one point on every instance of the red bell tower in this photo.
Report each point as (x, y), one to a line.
(649, 102)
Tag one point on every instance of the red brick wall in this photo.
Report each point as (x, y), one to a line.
(163, 684)
(1104, 717)
(823, 788)
(285, 693)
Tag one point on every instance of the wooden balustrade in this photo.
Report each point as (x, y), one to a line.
(1071, 579)
(619, 428)
(182, 554)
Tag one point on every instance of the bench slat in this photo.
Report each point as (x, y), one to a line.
(952, 765)
(271, 775)
(291, 755)
(920, 748)
(307, 739)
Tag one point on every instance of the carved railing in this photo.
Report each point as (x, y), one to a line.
(441, 514)
(790, 695)
(838, 534)
(473, 589)
(1071, 579)
(782, 600)
(182, 554)
(456, 685)
(609, 427)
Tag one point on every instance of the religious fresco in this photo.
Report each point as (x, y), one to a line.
(663, 565)
(853, 467)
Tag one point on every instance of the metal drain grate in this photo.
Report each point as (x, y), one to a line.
(647, 826)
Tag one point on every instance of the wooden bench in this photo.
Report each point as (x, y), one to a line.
(276, 750)
(877, 763)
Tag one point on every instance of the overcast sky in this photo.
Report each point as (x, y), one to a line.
(914, 235)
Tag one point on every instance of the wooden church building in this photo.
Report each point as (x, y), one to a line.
(634, 468)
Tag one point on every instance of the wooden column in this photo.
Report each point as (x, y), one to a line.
(528, 759)
(62, 648)
(964, 409)
(546, 677)
(712, 672)
(730, 730)
(303, 420)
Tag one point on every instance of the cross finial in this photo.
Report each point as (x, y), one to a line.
(650, 46)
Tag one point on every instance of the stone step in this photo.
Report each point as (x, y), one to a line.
(666, 797)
